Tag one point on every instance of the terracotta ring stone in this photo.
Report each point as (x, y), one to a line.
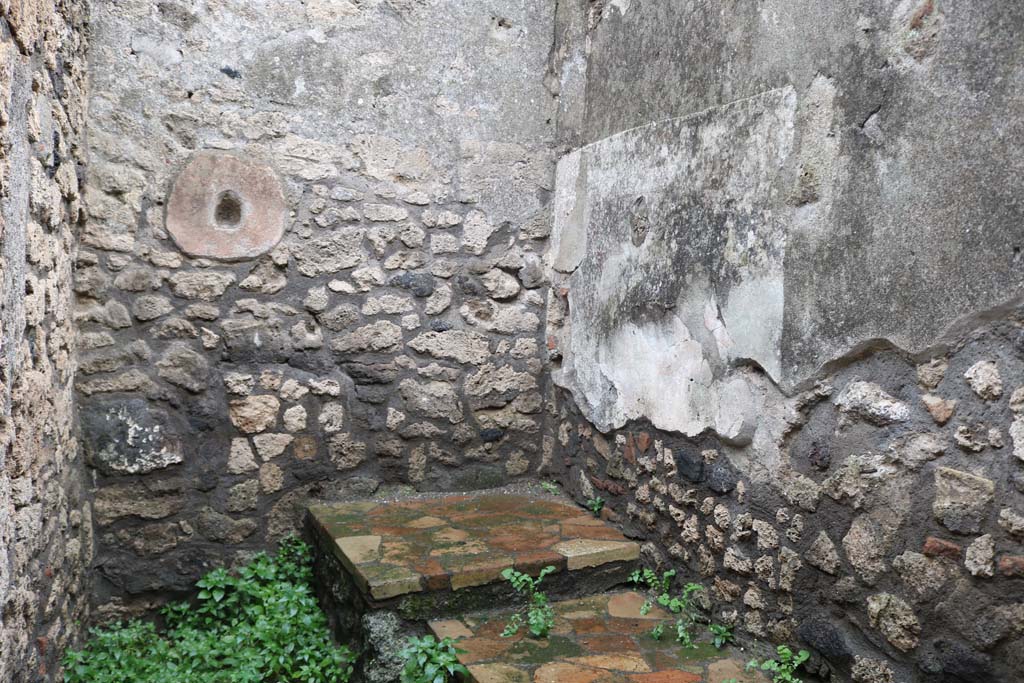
(226, 207)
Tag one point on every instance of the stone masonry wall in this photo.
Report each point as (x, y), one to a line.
(891, 540)
(45, 524)
(393, 335)
(784, 315)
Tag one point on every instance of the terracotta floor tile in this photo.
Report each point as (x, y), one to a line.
(603, 643)
(470, 546)
(482, 649)
(584, 520)
(449, 534)
(629, 663)
(628, 606)
(594, 532)
(498, 673)
(435, 577)
(426, 522)
(725, 669)
(450, 628)
(667, 677)
(388, 581)
(492, 628)
(476, 570)
(631, 626)
(397, 552)
(360, 549)
(593, 605)
(563, 672)
(520, 543)
(589, 625)
(531, 562)
(663, 658)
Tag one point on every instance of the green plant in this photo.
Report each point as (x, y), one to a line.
(261, 624)
(680, 605)
(539, 615)
(646, 578)
(428, 660)
(782, 668)
(720, 635)
(595, 505)
(549, 486)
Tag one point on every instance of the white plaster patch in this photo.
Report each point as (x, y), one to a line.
(569, 234)
(658, 371)
(752, 314)
(621, 5)
(667, 242)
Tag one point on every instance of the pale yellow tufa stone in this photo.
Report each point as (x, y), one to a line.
(360, 549)
(450, 628)
(584, 552)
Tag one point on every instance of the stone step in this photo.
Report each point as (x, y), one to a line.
(596, 639)
(427, 557)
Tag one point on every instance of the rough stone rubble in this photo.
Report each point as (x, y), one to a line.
(46, 541)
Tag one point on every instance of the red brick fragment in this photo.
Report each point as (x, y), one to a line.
(666, 677)
(1011, 565)
(937, 547)
(532, 562)
(643, 441)
(608, 486)
(925, 10)
(629, 452)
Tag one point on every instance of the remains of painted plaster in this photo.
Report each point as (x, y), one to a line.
(702, 291)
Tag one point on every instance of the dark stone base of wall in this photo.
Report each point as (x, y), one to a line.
(886, 535)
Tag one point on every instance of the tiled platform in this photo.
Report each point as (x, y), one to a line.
(450, 543)
(599, 639)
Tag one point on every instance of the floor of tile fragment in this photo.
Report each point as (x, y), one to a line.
(598, 639)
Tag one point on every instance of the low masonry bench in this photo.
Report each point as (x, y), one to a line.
(385, 568)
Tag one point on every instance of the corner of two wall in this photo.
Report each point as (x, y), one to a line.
(714, 319)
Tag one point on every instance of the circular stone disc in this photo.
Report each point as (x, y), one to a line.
(225, 207)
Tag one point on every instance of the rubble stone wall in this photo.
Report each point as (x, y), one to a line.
(785, 316)
(394, 332)
(45, 524)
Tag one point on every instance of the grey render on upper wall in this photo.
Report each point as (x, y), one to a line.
(894, 208)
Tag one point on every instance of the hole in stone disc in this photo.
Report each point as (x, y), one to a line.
(228, 211)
